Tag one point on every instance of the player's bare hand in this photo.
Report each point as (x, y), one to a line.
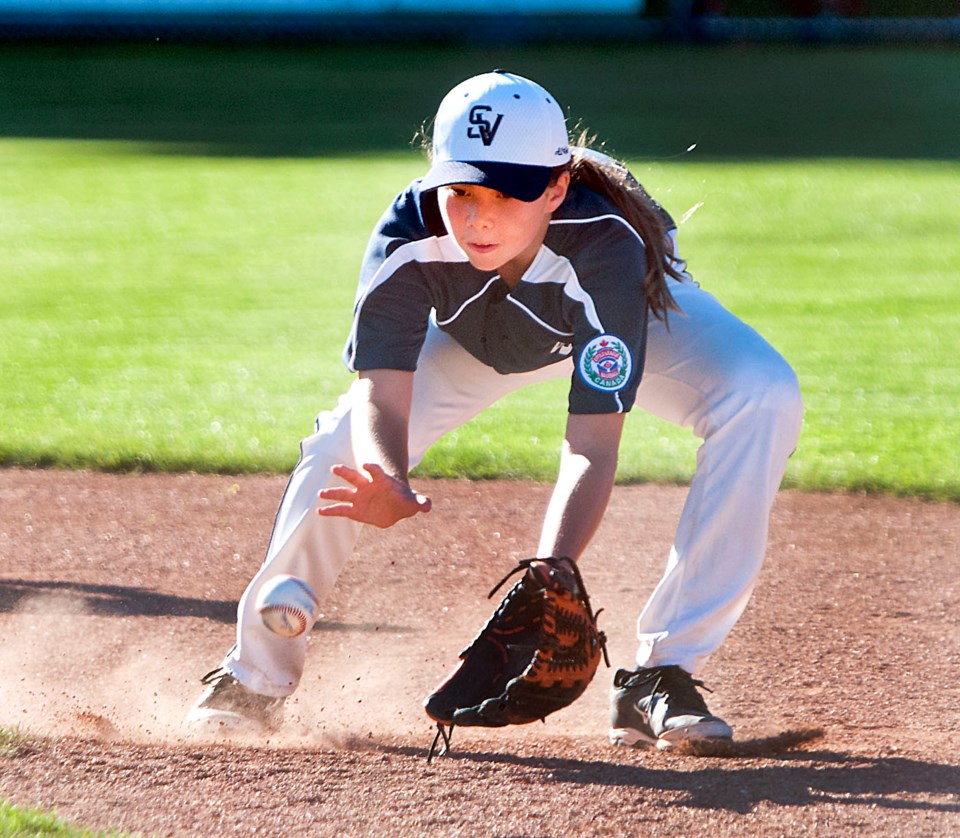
(373, 497)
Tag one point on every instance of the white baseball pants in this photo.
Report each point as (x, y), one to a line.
(708, 371)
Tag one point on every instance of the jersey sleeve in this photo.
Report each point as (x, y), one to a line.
(609, 315)
(393, 304)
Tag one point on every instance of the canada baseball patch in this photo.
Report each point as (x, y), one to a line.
(605, 363)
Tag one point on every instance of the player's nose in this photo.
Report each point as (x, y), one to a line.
(478, 215)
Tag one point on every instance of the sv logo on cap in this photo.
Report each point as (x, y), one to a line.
(484, 130)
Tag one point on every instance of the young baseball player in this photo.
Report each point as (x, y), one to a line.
(514, 260)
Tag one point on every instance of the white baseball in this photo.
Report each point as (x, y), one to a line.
(287, 606)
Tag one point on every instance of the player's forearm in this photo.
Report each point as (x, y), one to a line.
(377, 491)
(588, 467)
(381, 421)
(576, 508)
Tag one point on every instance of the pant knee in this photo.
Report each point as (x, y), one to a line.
(783, 398)
(765, 394)
(771, 381)
(777, 410)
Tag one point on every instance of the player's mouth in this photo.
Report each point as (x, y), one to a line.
(476, 247)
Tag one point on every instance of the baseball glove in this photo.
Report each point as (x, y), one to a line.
(536, 654)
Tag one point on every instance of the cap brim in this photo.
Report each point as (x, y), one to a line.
(525, 183)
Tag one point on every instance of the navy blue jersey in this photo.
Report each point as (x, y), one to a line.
(582, 296)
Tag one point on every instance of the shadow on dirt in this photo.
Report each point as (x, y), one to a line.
(798, 778)
(121, 600)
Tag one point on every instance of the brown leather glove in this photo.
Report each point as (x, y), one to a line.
(536, 655)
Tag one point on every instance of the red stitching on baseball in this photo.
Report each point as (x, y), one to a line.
(295, 612)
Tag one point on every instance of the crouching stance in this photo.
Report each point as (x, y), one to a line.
(516, 259)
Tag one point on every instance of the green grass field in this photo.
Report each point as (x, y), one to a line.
(23, 822)
(19, 822)
(181, 229)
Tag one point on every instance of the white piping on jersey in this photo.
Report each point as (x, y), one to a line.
(433, 249)
(549, 266)
(536, 319)
(678, 262)
(467, 302)
(591, 311)
(606, 217)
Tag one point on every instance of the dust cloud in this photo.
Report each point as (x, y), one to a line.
(70, 671)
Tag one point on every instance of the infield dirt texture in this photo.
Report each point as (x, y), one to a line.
(118, 592)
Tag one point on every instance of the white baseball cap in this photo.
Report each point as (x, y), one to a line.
(501, 131)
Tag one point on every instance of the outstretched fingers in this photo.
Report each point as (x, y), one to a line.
(373, 497)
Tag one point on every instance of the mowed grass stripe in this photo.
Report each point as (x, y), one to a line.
(174, 312)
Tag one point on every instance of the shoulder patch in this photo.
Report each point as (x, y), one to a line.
(605, 363)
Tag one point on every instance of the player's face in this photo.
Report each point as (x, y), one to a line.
(495, 231)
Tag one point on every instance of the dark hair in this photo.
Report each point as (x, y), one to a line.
(610, 178)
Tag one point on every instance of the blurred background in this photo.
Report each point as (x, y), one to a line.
(489, 21)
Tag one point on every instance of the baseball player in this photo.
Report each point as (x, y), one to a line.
(517, 259)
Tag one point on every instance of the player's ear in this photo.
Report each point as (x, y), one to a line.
(557, 191)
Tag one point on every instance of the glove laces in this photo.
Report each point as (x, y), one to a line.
(444, 732)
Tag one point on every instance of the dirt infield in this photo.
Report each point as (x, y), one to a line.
(118, 592)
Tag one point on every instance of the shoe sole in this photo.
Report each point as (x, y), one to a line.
(632, 738)
(626, 737)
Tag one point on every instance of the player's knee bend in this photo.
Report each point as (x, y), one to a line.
(764, 394)
(788, 401)
(773, 396)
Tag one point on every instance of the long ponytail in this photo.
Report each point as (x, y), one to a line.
(612, 179)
